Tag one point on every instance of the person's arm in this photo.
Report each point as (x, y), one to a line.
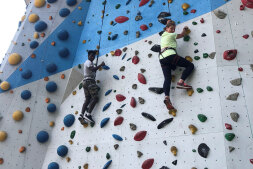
(95, 68)
(183, 33)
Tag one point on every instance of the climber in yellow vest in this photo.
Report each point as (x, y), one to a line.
(169, 59)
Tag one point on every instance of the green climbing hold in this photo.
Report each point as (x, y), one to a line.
(73, 133)
(79, 167)
(117, 6)
(230, 136)
(193, 150)
(196, 57)
(88, 149)
(108, 156)
(109, 38)
(79, 66)
(202, 117)
(178, 22)
(199, 90)
(99, 32)
(209, 88)
(205, 55)
(194, 23)
(186, 13)
(186, 38)
(195, 43)
(92, 124)
(80, 86)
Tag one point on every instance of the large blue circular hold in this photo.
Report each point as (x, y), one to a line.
(69, 120)
(71, 2)
(51, 87)
(40, 26)
(26, 74)
(53, 165)
(34, 44)
(62, 150)
(63, 52)
(26, 94)
(64, 12)
(51, 1)
(51, 108)
(63, 35)
(42, 136)
(51, 68)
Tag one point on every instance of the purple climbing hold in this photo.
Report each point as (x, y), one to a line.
(104, 122)
(117, 137)
(107, 106)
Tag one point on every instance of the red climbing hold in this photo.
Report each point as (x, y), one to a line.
(121, 19)
(251, 160)
(202, 20)
(248, 3)
(122, 77)
(240, 69)
(141, 78)
(118, 52)
(140, 135)
(230, 54)
(133, 102)
(245, 36)
(118, 121)
(135, 60)
(143, 2)
(147, 164)
(193, 11)
(144, 27)
(242, 7)
(218, 31)
(228, 126)
(120, 97)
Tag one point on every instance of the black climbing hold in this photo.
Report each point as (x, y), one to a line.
(164, 167)
(165, 142)
(148, 116)
(119, 111)
(196, 51)
(203, 150)
(116, 146)
(156, 48)
(122, 106)
(108, 156)
(156, 90)
(164, 14)
(174, 162)
(203, 35)
(164, 123)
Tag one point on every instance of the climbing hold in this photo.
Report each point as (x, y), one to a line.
(193, 11)
(234, 116)
(164, 167)
(51, 68)
(120, 97)
(248, 4)
(164, 123)
(14, 59)
(219, 14)
(199, 90)
(63, 35)
(185, 6)
(236, 82)
(196, 51)
(116, 146)
(156, 90)
(22, 149)
(212, 55)
(118, 52)
(107, 164)
(194, 23)
(188, 58)
(205, 55)
(135, 60)
(26, 94)
(64, 12)
(3, 136)
(229, 136)
(209, 88)
(228, 126)
(117, 137)
(193, 128)
(229, 54)
(51, 124)
(105, 67)
(51, 108)
(26, 74)
(34, 44)
(62, 150)
(138, 34)
(87, 149)
(40, 26)
(119, 111)
(134, 86)
(39, 3)
(148, 116)
(128, 2)
(108, 156)
(108, 92)
(104, 122)
(203, 150)
(116, 77)
(53, 165)
(122, 69)
(142, 70)
(114, 36)
(133, 102)
(71, 2)
(51, 87)
(202, 117)
(173, 112)
(240, 69)
(143, 2)
(42, 136)
(139, 154)
(133, 126)
(141, 100)
(121, 19)
(17, 115)
(230, 148)
(202, 20)
(117, 6)
(147, 164)
(63, 52)
(165, 142)
(251, 161)
(33, 18)
(95, 148)
(173, 150)
(186, 38)
(118, 121)
(51, 1)
(69, 120)
(203, 35)
(233, 96)
(143, 27)
(107, 106)
(246, 36)
(141, 78)
(174, 162)
(140, 135)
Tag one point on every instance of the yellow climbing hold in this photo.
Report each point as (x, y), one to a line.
(80, 8)
(86, 166)
(185, 6)
(5, 85)
(14, 59)
(112, 53)
(193, 129)
(36, 35)
(51, 123)
(80, 23)
(33, 18)
(95, 148)
(188, 58)
(188, 31)
(170, 1)
(173, 112)
(74, 92)
(3, 136)
(39, 3)
(190, 92)
(23, 18)
(173, 150)
(17, 115)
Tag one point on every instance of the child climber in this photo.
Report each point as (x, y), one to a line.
(90, 87)
(169, 59)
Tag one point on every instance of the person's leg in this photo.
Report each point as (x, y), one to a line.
(87, 97)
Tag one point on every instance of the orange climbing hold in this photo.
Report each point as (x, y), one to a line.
(33, 56)
(62, 128)
(230, 54)
(46, 78)
(143, 2)
(62, 76)
(22, 149)
(53, 43)
(27, 109)
(1, 160)
(147, 164)
(121, 19)
(141, 78)
(42, 35)
(50, 17)
(47, 100)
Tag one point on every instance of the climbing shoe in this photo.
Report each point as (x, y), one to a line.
(82, 120)
(168, 104)
(183, 86)
(88, 118)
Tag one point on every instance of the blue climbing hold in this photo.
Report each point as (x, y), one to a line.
(107, 164)
(51, 1)
(71, 2)
(40, 26)
(114, 36)
(51, 87)
(107, 106)
(69, 120)
(104, 122)
(42, 136)
(64, 12)
(108, 92)
(26, 74)
(53, 165)
(26, 94)
(63, 52)
(51, 68)
(106, 67)
(116, 77)
(117, 137)
(34, 44)
(123, 57)
(51, 108)
(63, 35)
(62, 150)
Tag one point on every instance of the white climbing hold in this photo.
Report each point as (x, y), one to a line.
(236, 82)
(234, 116)
(212, 55)
(233, 96)
(220, 14)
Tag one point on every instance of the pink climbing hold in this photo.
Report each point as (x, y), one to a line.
(135, 60)
(202, 20)
(193, 11)
(248, 3)
(228, 126)
(140, 135)
(143, 2)
(144, 27)
(147, 164)
(141, 78)
(118, 52)
(246, 36)
(251, 160)
(118, 121)
(230, 54)
(121, 19)
(133, 102)
(120, 97)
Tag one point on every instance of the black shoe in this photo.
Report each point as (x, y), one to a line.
(89, 118)
(82, 120)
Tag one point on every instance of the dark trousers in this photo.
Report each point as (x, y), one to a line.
(171, 62)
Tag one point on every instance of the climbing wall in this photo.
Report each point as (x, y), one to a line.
(42, 96)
